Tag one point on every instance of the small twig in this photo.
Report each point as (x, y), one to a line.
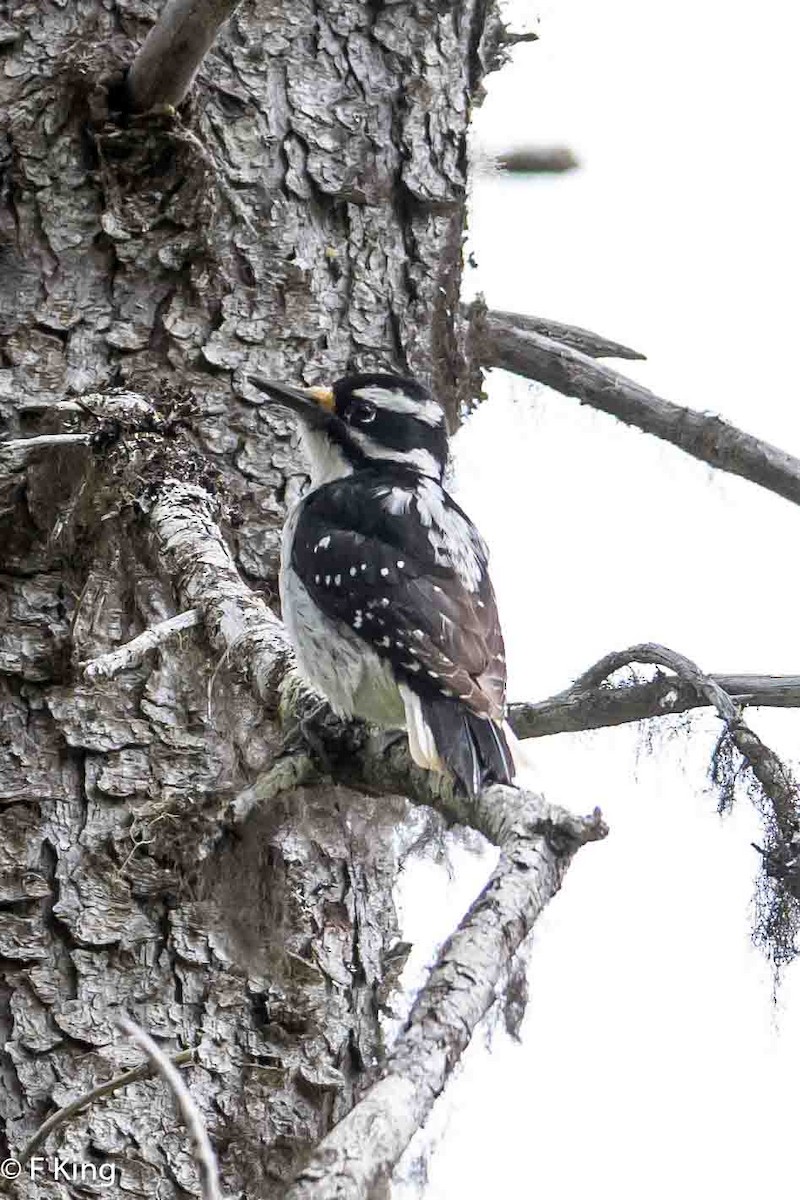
(538, 160)
(49, 406)
(165, 68)
(139, 840)
(129, 408)
(47, 439)
(291, 771)
(204, 1151)
(105, 666)
(512, 37)
(104, 1089)
(702, 435)
(9, 34)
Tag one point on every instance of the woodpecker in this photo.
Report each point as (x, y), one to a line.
(384, 583)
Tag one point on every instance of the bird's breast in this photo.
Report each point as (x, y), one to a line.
(335, 661)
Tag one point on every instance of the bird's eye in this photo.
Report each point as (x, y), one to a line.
(362, 412)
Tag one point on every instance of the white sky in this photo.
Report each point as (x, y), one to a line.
(653, 1062)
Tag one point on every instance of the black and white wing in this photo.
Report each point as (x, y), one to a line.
(398, 563)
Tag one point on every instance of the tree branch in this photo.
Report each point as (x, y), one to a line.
(776, 784)
(46, 441)
(575, 710)
(204, 1153)
(238, 623)
(366, 1144)
(538, 160)
(129, 408)
(165, 68)
(584, 340)
(653, 654)
(559, 365)
(132, 653)
(69, 1111)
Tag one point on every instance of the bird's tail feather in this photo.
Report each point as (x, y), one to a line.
(474, 748)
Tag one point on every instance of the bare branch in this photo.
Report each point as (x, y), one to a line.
(204, 1152)
(104, 1089)
(366, 1144)
(538, 160)
(165, 67)
(573, 710)
(238, 623)
(778, 786)
(661, 656)
(496, 324)
(8, 34)
(512, 38)
(132, 653)
(702, 435)
(289, 772)
(130, 408)
(46, 440)
(42, 405)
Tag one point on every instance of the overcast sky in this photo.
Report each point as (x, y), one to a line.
(653, 1062)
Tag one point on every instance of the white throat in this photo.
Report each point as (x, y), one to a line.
(324, 457)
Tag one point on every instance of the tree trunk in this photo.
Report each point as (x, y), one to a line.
(301, 216)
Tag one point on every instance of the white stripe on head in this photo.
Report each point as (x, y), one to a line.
(421, 460)
(400, 402)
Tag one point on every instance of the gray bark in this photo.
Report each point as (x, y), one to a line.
(303, 217)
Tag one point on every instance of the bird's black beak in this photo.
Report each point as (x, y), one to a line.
(316, 405)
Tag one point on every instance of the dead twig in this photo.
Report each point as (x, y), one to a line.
(165, 68)
(578, 709)
(490, 323)
(132, 653)
(573, 372)
(538, 160)
(204, 1152)
(71, 1110)
(46, 440)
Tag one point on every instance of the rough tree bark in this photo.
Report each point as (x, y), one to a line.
(171, 846)
(302, 215)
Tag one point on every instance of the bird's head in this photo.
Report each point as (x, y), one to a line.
(366, 421)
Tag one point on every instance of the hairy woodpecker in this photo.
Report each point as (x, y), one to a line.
(384, 582)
